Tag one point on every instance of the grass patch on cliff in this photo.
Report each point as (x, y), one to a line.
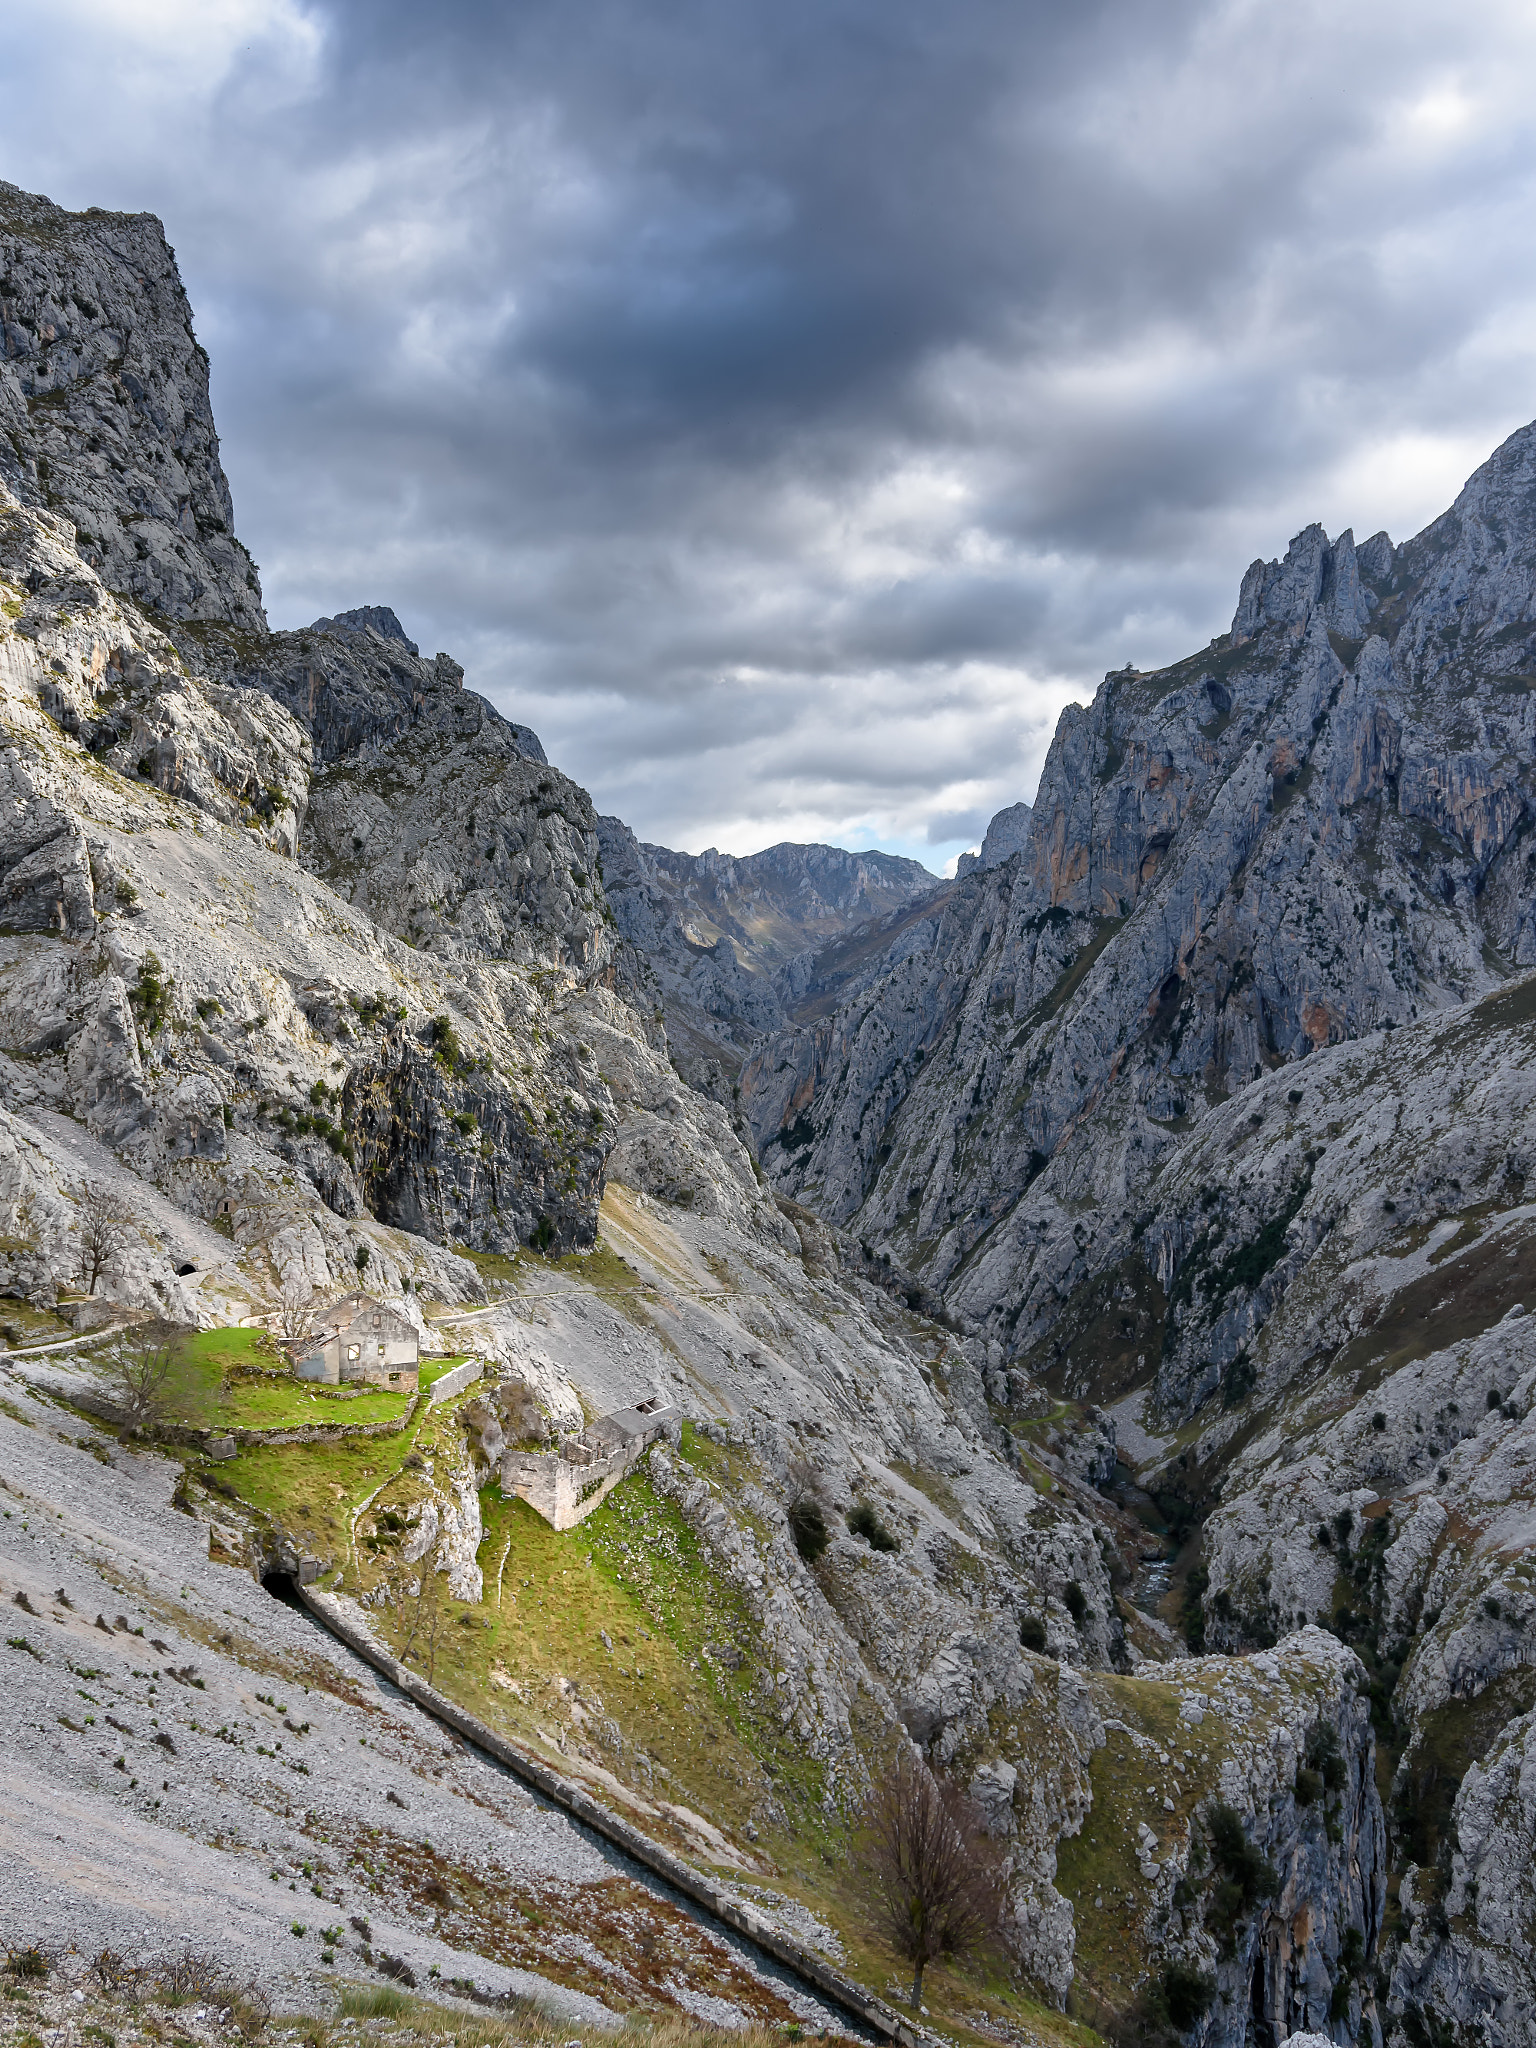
(275, 1400)
(1102, 1346)
(673, 1708)
(310, 1490)
(1452, 1738)
(602, 1268)
(1099, 1869)
(501, 1274)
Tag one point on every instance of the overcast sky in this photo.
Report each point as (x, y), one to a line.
(785, 406)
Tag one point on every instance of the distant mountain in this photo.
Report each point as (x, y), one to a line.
(734, 940)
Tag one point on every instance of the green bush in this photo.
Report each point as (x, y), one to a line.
(1075, 1600)
(1309, 1787)
(1032, 1633)
(1325, 1756)
(1244, 1875)
(808, 1527)
(863, 1521)
(1192, 1606)
(446, 1049)
(1187, 1994)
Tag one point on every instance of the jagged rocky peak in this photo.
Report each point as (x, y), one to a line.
(368, 618)
(1292, 839)
(1317, 577)
(1005, 837)
(104, 411)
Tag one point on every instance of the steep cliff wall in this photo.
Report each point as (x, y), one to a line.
(1292, 839)
(104, 413)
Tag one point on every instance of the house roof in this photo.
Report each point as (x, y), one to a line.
(360, 1315)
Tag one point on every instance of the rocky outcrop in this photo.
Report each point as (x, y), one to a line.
(355, 683)
(466, 848)
(448, 1149)
(104, 413)
(1006, 836)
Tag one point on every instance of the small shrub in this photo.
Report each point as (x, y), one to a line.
(1075, 1600)
(1032, 1633)
(1187, 1994)
(1378, 1421)
(1325, 1757)
(111, 1972)
(808, 1528)
(864, 1522)
(250, 2010)
(1492, 1608)
(446, 1049)
(1192, 1606)
(196, 1974)
(30, 1964)
(1309, 1786)
(1244, 1874)
(150, 999)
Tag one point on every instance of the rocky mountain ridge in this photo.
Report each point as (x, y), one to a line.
(104, 411)
(735, 942)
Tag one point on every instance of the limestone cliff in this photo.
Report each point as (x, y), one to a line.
(104, 413)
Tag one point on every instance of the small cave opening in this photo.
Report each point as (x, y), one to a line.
(183, 1271)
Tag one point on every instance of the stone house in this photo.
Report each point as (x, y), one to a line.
(359, 1340)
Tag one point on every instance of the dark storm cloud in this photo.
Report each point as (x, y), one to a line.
(786, 408)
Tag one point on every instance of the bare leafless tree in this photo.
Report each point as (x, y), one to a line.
(420, 1616)
(295, 1308)
(149, 1378)
(932, 1874)
(106, 1231)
